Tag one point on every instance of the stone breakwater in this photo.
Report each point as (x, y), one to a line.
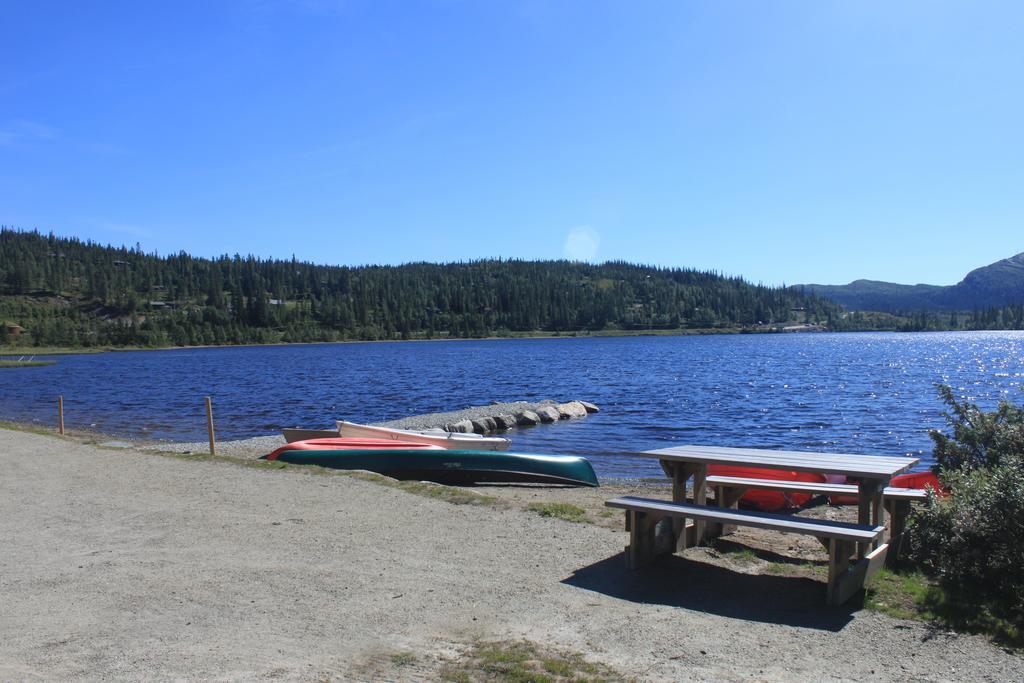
(497, 417)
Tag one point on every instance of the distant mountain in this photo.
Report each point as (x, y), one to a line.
(995, 285)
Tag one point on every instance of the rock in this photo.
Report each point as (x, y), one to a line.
(548, 414)
(484, 425)
(590, 407)
(116, 444)
(506, 421)
(527, 418)
(462, 427)
(571, 409)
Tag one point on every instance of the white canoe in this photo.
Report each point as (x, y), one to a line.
(438, 437)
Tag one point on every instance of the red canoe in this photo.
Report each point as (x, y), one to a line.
(769, 500)
(914, 480)
(349, 444)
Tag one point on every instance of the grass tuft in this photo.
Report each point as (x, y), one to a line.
(524, 662)
(26, 427)
(403, 659)
(8, 363)
(50, 350)
(901, 595)
(566, 511)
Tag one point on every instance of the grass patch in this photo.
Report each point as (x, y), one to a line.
(734, 551)
(912, 595)
(49, 350)
(6, 363)
(899, 594)
(450, 494)
(25, 427)
(522, 662)
(403, 659)
(606, 513)
(566, 511)
(742, 554)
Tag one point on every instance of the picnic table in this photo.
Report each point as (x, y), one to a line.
(871, 473)
(856, 551)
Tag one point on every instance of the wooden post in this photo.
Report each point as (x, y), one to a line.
(60, 415)
(700, 497)
(209, 425)
(869, 492)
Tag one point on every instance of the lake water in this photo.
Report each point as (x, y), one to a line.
(864, 393)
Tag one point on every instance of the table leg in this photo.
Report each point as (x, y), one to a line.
(679, 474)
(898, 511)
(700, 497)
(878, 513)
(726, 497)
(870, 510)
(692, 534)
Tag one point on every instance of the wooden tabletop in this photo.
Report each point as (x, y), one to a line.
(866, 466)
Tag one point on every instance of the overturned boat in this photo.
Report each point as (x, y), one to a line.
(437, 437)
(336, 443)
(449, 466)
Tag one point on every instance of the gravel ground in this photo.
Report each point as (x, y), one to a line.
(242, 448)
(118, 565)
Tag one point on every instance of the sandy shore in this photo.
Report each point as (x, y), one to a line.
(118, 564)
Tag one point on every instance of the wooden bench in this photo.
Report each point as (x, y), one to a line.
(729, 490)
(648, 539)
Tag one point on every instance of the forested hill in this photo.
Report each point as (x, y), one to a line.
(71, 293)
(998, 285)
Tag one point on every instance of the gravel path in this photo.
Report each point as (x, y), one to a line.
(125, 565)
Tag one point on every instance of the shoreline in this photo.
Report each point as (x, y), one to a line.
(86, 350)
(612, 334)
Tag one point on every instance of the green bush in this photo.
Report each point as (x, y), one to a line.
(978, 439)
(973, 540)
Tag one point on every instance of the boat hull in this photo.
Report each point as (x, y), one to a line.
(913, 480)
(453, 467)
(449, 440)
(293, 435)
(341, 444)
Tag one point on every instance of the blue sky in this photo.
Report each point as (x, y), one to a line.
(787, 142)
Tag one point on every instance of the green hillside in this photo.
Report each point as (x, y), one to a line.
(999, 285)
(66, 292)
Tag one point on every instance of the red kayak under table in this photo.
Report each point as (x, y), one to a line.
(769, 500)
(913, 480)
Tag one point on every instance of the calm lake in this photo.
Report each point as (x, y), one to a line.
(865, 393)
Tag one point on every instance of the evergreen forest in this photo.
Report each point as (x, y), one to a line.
(57, 291)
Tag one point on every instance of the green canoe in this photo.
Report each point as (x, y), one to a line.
(454, 467)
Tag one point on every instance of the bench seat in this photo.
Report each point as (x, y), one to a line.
(843, 531)
(647, 537)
